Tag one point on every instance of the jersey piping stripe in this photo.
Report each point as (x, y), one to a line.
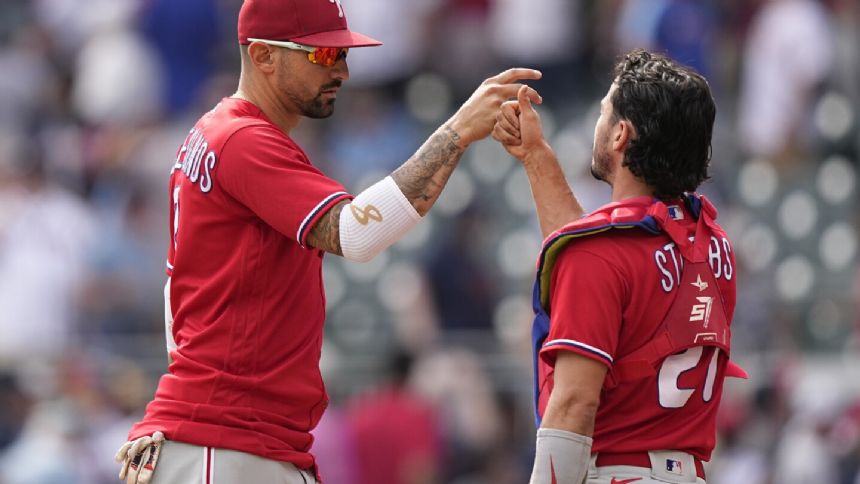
(208, 465)
(576, 344)
(169, 265)
(313, 213)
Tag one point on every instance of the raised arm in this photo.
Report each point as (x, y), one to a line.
(518, 128)
(383, 213)
(564, 440)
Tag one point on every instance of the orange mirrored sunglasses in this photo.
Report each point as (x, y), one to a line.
(325, 56)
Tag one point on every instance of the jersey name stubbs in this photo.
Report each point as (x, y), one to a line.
(196, 160)
(670, 263)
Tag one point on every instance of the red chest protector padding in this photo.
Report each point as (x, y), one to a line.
(697, 316)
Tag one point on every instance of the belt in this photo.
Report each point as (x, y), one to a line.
(638, 459)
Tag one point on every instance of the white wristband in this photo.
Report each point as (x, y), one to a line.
(376, 218)
(561, 457)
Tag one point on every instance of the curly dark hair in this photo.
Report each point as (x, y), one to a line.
(672, 112)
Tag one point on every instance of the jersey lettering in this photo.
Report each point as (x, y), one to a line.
(714, 257)
(670, 264)
(206, 181)
(193, 156)
(667, 282)
(708, 391)
(178, 163)
(728, 270)
(669, 393)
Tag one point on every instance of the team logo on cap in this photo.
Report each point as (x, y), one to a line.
(339, 7)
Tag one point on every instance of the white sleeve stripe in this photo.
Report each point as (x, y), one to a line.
(314, 212)
(580, 345)
(169, 265)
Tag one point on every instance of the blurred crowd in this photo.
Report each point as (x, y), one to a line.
(427, 353)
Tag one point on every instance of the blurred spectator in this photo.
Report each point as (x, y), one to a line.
(747, 431)
(463, 289)
(52, 430)
(14, 406)
(687, 32)
(184, 34)
(118, 77)
(544, 34)
(45, 234)
(375, 134)
(817, 401)
(535, 33)
(66, 433)
(123, 267)
(460, 49)
(786, 57)
(802, 455)
(461, 389)
(397, 432)
(27, 79)
(638, 22)
(405, 30)
(845, 439)
(846, 65)
(335, 448)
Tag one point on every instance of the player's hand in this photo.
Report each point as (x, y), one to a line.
(518, 126)
(138, 458)
(477, 116)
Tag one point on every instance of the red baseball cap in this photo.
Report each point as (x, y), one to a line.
(316, 23)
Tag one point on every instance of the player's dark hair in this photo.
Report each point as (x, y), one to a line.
(672, 112)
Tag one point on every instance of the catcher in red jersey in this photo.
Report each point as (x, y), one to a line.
(251, 218)
(632, 329)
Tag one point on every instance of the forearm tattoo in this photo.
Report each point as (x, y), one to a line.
(422, 177)
(326, 233)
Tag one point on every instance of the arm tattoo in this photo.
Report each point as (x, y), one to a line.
(326, 233)
(421, 179)
(424, 175)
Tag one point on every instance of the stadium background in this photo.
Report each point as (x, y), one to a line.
(427, 350)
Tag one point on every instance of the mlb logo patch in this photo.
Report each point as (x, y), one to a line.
(674, 466)
(675, 212)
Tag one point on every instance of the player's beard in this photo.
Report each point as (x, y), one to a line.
(318, 108)
(600, 158)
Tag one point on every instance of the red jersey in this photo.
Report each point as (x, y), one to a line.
(246, 293)
(610, 294)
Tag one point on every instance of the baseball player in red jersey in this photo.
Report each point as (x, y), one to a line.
(632, 333)
(251, 218)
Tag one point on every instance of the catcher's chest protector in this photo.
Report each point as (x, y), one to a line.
(697, 316)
